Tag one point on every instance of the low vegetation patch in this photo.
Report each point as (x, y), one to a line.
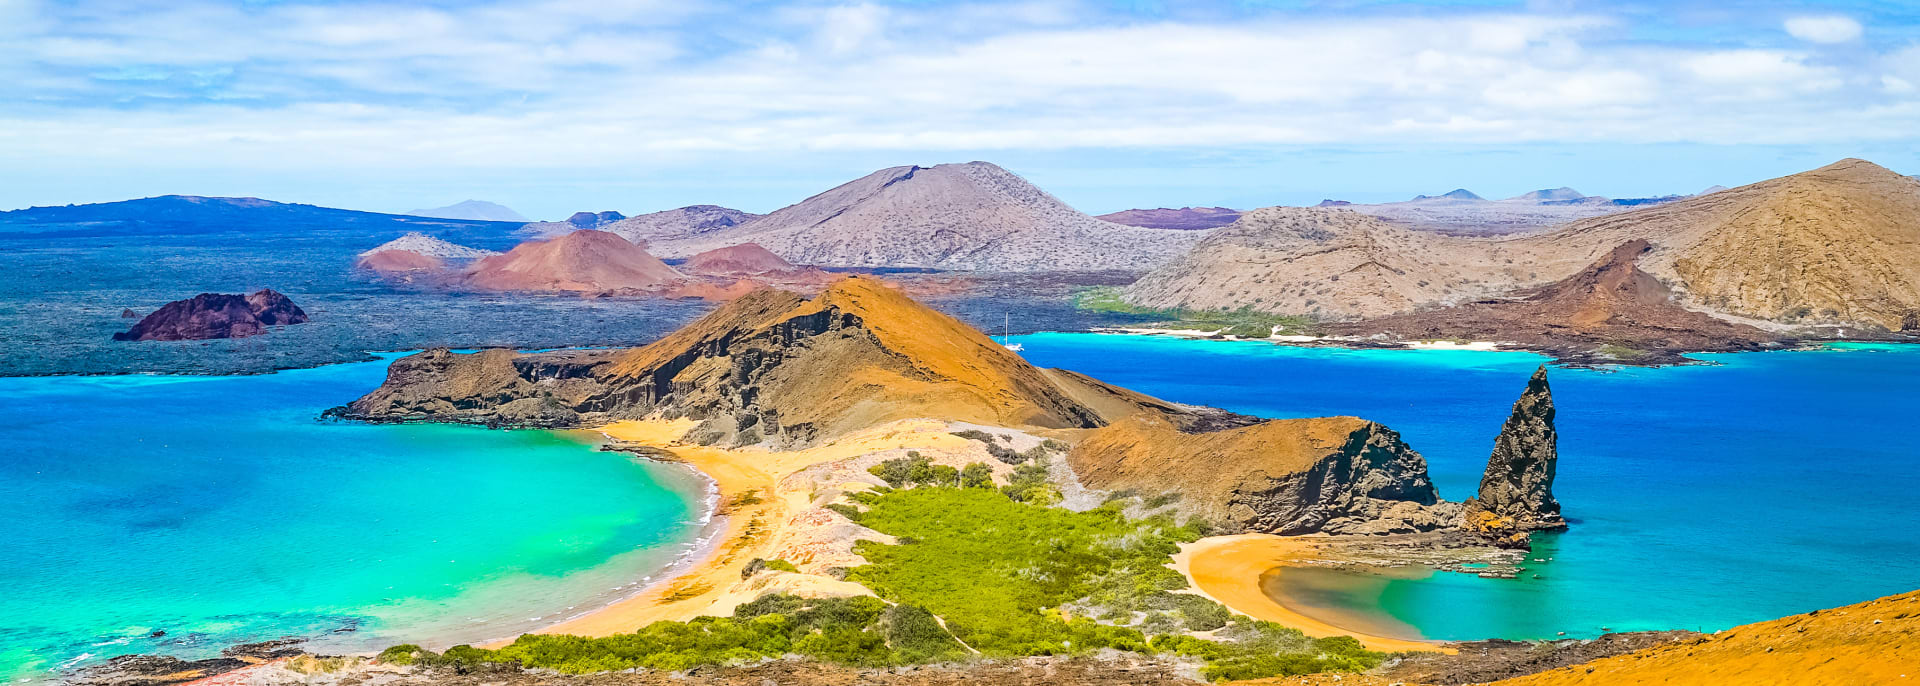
(1244, 322)
(977, 571)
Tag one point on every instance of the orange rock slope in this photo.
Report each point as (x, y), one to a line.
(1875, 642)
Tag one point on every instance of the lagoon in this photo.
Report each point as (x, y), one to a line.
(1701, 497)
(222, 509)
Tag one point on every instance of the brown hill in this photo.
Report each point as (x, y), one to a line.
(746, 259)
(579, 261)
(770, 366)
(1328, 262)
(1839, 244)
(973, 216)
(1611, 302)
(1165, 218)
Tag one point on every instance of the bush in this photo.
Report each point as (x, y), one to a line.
(405, 654)
(976, 475)
(915, 636)
(1029, 484)
(915, 470)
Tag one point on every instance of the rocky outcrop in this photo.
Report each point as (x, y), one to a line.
(1516, 492)
(1288, 476)
(216, 315)
(128, 313)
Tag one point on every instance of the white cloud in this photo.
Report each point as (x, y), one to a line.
(1823, 29)
(514, 83)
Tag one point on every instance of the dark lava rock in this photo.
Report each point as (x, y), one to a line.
(588, 220)
(152, 670)
(215, 315)
(1516, 492)
(129, 314)
(1484, 661)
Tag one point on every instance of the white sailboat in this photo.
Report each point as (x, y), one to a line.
(1006, 335)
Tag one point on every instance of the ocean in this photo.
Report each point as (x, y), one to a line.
(1701, 497)
(183, 514)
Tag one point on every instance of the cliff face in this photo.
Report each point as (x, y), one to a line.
(215, 315)
(1288, 476)
(1516, 492)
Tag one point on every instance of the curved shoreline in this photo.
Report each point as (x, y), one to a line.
(1228, 570)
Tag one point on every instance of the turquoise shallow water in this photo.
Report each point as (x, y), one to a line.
(221, 510)
(1702, 497)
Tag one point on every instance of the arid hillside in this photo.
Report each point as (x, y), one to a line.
(1836, 245)
(1328, 262)
(973, 216)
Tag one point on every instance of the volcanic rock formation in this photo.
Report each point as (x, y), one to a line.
(1610, 312)
(1516, 492)
(1837, 246)
(592, 261)
(769, 367)
(1327, 262)
(1286, 476)
(973, 216)
(216, 315)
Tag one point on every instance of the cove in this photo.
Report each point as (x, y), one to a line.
(1701, 497)
(221, 509)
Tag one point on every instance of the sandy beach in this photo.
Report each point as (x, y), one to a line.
(755, 513)
(1227, 570)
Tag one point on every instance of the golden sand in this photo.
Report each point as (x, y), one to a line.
(756, 508)
(1227, 570)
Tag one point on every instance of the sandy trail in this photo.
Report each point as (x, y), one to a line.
(1227, 570)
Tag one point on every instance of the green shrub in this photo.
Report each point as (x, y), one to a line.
(915, 636)
(976, 475)
(405, 654)
(915, 470)
(1029, 484)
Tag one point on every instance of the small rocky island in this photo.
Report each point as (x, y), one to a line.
(216, 315)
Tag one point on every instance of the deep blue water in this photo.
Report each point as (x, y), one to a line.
(220, 509)
(1702, 497)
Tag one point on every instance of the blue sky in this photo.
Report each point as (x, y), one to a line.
(552, 106)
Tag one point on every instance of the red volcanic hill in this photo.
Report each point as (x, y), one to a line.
(580, 261)
(397, 261)
(745, 259)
